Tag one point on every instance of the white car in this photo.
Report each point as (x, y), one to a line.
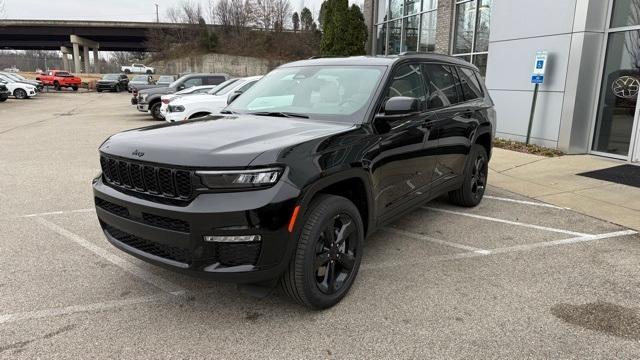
(138, 69)
(20, 90)
(195, 90)
(196, 106)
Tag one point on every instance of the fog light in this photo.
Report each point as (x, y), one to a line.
(232, 239)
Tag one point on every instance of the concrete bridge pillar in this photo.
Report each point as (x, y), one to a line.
(96, 61)
(76, 58)
(86, 44)
(85, 57)
(65, 58)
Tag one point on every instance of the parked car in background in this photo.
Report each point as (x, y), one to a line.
(4, 93)
(140, 80)
(197, 106)
(149, 100)
(165, 99)
(12, 69)
(165, 80)
(310, 161)
(112, 82)
(60, 79)
(20, 90)
(20, 78)
(138, 69)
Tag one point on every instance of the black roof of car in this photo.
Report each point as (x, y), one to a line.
(380, 60)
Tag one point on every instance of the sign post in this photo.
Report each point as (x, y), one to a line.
(537, 78)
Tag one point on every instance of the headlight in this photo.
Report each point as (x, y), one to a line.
(143, 97)
(176, 108)
(240, 179)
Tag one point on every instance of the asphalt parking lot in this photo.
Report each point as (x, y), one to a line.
(512, 278)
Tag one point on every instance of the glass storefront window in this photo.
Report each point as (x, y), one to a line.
(411, 7)
(480, 60)
(619, 94)
(383, 11)
(483, 26)
(395, 33)
(396, 7)
(410, 33)
(428, 32)
(625, 13)
(464, 28)
(381, 39)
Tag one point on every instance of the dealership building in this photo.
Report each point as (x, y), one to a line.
(588, 101)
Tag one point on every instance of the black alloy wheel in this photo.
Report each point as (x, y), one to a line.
(155, 111)
(328, 253)
(335, 254)
(474, 183)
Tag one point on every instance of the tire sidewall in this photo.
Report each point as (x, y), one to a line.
(21, 92)
(155, 111)
(477, 150)
(328, 208)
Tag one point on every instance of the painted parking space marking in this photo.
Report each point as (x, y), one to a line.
(433, 240)
(78, 211)
(125, 265)
(524, 202)
(508, 222)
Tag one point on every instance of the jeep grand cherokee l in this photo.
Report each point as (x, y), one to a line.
(284, 186)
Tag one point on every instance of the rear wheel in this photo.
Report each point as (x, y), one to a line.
(474, 184)
(75, 88)
(155, 111)
(56, 85)
(149, 72)
(117, 88)
(328, 255)
(20, 94)
(127, 71)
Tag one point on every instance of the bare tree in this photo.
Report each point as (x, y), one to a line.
(281, 14)
(264, 13)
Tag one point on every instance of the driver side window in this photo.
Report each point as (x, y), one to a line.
(408, 82)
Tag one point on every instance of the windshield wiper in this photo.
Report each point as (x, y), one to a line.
(280, 114)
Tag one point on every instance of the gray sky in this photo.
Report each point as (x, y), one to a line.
(122, 10)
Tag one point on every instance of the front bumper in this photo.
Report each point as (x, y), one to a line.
(32, 93)
(142, 107)
(106, 87)
(171, 236)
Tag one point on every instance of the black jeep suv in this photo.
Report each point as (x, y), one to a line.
(285, 184)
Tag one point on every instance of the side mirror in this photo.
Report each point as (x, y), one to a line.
(181, 87)
(233, 96)
(401, 105)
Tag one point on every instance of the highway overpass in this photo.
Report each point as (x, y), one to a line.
(77, 38)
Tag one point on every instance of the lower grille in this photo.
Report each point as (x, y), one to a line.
(166, 223)
(174, 253)
(112, 208)
(237, 254)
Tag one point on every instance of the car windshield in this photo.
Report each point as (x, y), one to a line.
(12, 76)
(336, 93)
(111, 77)
(63, 74)
(143, 78)
(224, 88)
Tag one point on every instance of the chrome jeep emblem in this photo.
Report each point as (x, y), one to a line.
(137, 153)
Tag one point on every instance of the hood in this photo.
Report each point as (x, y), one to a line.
(107, 81)
(158, 90)
(217, 141)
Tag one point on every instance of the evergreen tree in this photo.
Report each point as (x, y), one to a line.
(306, 18)
(295, 19)
(344, 30)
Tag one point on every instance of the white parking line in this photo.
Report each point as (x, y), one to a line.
(434, 240)
(508, 222)
(116, 260)
(523, 202)
(59, 213)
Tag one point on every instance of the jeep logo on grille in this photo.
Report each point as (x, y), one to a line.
(137, 153)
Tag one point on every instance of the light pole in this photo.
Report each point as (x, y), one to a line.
(157, 13)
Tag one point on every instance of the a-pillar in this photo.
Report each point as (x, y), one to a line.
(76, 58)
(87, 62)
(96, 61)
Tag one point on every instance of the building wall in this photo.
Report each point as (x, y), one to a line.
(217, 63)
(572, 31)
(445, 24)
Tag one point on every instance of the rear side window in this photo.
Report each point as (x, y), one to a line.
(471, 88)
(442, 83)
(214, 80)
(408, 81)
(193, 82)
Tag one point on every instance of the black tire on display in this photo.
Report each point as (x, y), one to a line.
(328, 254)
(155, 111)
(474, 184)
(20, 94)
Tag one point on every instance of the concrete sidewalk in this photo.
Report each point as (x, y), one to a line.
(554, 181)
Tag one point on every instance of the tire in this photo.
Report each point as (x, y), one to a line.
(20, 94)
(56, 85)
(75, 88)
(98, 90)
(127, 71)
(155, 111)
(117, 89)
(198, 115)
(307, 280)
(149, 72)
(474, 184)
(3, 99)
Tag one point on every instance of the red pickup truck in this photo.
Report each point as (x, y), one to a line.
(59, 79)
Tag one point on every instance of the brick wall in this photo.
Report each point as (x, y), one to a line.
(444, 25)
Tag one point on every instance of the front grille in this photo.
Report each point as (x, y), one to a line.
(112, 208)
(229, 254)
(166, 223)
(174, 253)
(147, 179)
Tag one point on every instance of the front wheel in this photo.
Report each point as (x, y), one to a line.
(3, 99)
(149, 72)
(56, 86)
(474, 184)
(127, 71)
(155, 111)
(20, 94)
(75, 88)
(328, 255)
